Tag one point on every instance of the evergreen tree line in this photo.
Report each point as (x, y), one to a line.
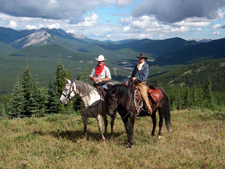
(197, 98)
(30, 99)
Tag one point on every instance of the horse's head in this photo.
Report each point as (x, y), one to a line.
(111, 102)
(69, 91)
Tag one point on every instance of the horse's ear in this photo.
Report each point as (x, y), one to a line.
(67, 80)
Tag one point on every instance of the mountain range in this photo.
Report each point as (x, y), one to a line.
(42, 47)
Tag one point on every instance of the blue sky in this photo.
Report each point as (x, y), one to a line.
(119, 19)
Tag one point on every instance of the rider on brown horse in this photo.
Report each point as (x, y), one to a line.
(139, 75)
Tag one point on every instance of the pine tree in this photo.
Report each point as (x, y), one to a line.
(17, 102)
(26, 87)
(208, 95)
(36, 105)
(53, 100)
(79, 75)
(85, 74)
(59, 80)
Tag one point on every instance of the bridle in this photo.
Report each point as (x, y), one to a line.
(67, 96)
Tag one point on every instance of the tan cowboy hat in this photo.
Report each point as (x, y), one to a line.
(101, 58)
(142, 56)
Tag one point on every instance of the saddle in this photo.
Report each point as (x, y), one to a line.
(154, 95)
(101, 91)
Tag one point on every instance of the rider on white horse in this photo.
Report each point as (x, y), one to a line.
(100, 74)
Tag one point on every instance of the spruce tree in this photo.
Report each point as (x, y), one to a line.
(26, 87)
(208, 95)
(59, 82)
(85, 74)
(37, 102)
(53, 100)
(17, 102)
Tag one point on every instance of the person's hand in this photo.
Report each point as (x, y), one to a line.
(99, 80)
(133, 78)
(94, 79)
(126, 83)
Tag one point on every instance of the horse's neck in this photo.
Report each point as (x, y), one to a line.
(90, 97)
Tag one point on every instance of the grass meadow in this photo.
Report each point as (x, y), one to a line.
(197, 140)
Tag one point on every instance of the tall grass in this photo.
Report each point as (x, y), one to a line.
(57, 141)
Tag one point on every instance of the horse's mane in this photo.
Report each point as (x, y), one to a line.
(83, 87)
(121, 89)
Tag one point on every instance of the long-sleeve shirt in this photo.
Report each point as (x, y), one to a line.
(141, 75)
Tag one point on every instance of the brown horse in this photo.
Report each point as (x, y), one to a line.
(121, 98)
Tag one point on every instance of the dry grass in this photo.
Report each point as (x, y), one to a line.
(196, 141)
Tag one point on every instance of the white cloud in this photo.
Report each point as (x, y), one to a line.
(12, 24)
(217, 26)
(195, 22)
(126, 28)
(30, 27)
(89, 21)
(217, 33)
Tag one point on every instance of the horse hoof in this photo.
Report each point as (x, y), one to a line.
(159, 137)
(128, 145)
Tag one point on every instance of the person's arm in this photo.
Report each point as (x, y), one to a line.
(91, 76)
(107, 75)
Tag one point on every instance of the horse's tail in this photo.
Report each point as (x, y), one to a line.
(167, 117)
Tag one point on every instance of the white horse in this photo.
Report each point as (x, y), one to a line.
(93, 104)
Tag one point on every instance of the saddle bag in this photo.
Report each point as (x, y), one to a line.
(155, 94)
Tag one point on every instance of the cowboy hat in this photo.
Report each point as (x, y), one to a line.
(101, 58)
(142, 56)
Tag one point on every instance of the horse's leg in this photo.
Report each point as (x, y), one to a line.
(85, 126)
(100, 126)
(161, 112)
(131, 128)
(129, 125)
(105, 123)
(112, 124)
(154, 121)
(126, 124)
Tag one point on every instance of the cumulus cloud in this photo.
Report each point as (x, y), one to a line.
(55, 9)
(171, 11)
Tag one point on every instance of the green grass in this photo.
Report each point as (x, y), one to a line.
(56, 141)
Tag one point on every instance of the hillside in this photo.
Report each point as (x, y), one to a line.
(8, 35)
(195, 74)
(204, 51)
(5, 48)
(155, 47)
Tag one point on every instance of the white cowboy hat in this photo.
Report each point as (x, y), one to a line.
(101, 58)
